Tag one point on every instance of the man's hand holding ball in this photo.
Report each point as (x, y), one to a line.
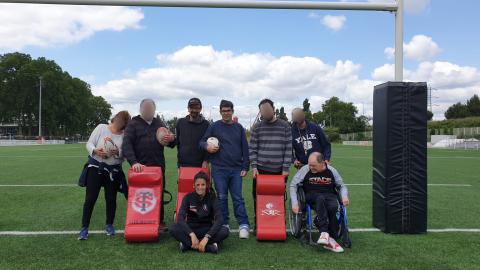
(164, 136)
(212, 145)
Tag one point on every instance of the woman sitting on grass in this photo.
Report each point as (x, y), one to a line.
(104, 168)
(200, 219)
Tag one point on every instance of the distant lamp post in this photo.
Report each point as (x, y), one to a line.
(40, 110)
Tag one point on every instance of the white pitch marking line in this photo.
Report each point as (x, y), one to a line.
(34, 233)
(453, 230)
(46, 185)
(450, 185)
(56, 156)
(74, 185)
(37, 233)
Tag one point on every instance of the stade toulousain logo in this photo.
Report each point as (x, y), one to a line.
(144, 200)
(270, 210)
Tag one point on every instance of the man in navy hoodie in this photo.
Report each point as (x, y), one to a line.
(307, 138)
(230, 163)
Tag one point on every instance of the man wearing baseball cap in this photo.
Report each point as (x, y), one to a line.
(189, 132)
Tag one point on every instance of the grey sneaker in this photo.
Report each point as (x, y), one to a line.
(243, 233)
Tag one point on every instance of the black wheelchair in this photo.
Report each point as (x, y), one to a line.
(302, 226)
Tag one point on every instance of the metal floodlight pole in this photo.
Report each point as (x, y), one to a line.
(397, 7)
(40, 110)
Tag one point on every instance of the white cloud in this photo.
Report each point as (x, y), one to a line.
(24, 25)
(334, 23)
(420, 48)
(246, 78)
(452, 83)
(438, 74)
(201, 70)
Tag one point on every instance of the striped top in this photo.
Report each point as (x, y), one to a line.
(270, 146)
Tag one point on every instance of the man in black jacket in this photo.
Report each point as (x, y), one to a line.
(189, 132)
(140, 145)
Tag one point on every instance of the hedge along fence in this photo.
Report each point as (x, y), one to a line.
(455, 123)
(333, 134)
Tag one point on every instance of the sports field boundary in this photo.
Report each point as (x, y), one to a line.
(355, 230)
(75, 185)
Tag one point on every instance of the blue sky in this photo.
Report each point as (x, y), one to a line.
(106, 57)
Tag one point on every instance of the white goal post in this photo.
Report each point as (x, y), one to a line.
(396, 7)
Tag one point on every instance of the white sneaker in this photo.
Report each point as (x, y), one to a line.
(323, 239)
(243, 233)
(333, 246)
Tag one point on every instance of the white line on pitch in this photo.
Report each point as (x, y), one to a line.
(450, 185)
(53, 156)
(38, 233)
(453, 230)
(46, 185)
(74, 185)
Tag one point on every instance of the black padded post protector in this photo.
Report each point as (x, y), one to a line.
(400, 157)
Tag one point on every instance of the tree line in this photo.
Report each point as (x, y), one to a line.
(68, 106)
(459, 110)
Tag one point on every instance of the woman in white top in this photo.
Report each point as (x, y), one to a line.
(104, 164)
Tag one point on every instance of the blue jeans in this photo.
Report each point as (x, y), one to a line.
(226, 180)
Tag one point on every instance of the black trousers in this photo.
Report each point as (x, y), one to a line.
(95, 181)
(326, 206)
(182, 236)
(254, 190)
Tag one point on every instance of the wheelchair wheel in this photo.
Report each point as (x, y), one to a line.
(347, 242)
(295, 221)
(344, 233)
(302, 202)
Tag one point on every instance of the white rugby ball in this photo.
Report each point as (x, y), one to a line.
(213, 141)
(109, 146)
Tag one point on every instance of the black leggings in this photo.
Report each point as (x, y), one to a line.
(181, 235)
(95, 182)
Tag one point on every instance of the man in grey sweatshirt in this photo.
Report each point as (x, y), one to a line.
(320, 182)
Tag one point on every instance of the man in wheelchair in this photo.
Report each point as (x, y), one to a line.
(320, 182)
